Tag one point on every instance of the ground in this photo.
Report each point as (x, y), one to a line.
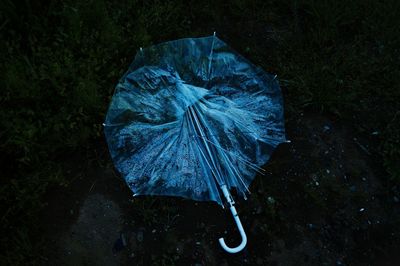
(321, 203)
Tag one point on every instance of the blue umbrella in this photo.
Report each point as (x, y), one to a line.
(193, 118)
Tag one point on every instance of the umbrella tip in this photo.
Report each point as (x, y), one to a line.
(288, 141)
(215, 33)
(141, 49)
(104, 124)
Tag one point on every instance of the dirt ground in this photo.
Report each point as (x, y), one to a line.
(322, 202)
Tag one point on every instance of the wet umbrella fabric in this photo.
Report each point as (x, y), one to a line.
(192, 118)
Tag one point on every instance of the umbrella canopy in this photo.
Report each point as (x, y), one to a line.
(193, 118)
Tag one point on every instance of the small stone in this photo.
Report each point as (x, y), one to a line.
(154, 230)
(123, 238)
(139, 236)
(328, 171)
(362, 209)
(271, 200)
(316, 183)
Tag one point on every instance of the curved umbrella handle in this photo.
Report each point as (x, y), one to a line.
(238, 223)
(242, 234)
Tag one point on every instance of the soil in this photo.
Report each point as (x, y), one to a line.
(323, 201)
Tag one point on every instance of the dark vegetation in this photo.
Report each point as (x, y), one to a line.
(60, 61)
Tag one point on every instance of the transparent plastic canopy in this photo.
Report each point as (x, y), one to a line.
(190, 116)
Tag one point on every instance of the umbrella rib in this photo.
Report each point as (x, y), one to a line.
(192, 157)
(210, 57)
(229, 164)
(235, 170)
(196, 119)
(201, 149)
(205, 143)
(206, 160)
(236, 121)
(222, 148)
(257, 168)
(253, 132)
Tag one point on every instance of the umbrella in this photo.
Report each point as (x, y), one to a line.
(193, 118)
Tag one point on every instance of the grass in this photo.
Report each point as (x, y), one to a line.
(60, 62)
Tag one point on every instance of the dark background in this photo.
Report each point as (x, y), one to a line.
(331, 197)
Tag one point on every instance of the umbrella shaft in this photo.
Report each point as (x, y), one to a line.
(228, 197)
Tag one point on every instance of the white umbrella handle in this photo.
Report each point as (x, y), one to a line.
(242, 233)
(238, 223)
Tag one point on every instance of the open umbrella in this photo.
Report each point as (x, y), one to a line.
(193, 118)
